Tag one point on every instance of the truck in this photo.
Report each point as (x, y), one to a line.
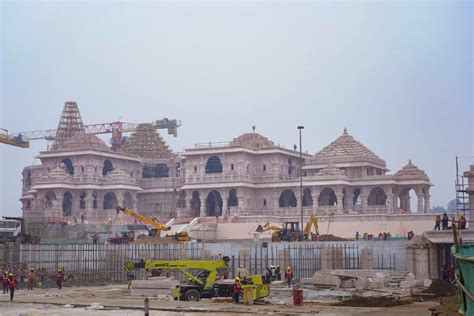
(13, 229)
(202, 276)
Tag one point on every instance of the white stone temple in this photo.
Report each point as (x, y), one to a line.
(82, 177)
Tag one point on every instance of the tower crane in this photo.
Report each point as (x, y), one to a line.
(117, 129)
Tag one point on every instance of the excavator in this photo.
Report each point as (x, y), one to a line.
(203, 283)
(290, 230)
(154, 233)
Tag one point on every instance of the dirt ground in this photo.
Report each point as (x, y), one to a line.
(114, 300)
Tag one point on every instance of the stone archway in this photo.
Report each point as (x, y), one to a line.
(232, 201)
(406, 197)
(128, 200)
(110, 201)
(195, 204)
(327, 197)
(214, 204)
(67, 204)
(307, 198)
(377, 196)
(49, 199)
(287, 199)
(214, 165)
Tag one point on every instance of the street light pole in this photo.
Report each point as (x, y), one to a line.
(300, 128)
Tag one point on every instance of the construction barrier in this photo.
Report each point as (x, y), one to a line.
(465, 277)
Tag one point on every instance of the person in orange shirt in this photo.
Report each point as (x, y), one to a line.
(5, 282)
(31, 278)
(11, 285)
(289, 276)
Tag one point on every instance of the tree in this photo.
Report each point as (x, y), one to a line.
(452, 206)
(438, 209)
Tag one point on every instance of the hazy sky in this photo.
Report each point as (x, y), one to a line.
(398, 75)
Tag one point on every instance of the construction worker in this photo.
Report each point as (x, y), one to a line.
(60, 278)
(273, 272)
(278, 273)
(462, 222)
(11, 285)
(444, 221)
(289, 276)
(236, 292)
(5, 282)
(437, 222)
(31, 278)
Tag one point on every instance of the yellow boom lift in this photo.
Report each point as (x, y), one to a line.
(203, 283)
(155, 232)
(17, 141)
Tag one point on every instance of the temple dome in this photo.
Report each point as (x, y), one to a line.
(83, 141)
(252, 140)
(410, 171)
(145, 142)
(346, 149)
(331, 170)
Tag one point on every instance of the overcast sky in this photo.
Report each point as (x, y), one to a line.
(398, 75)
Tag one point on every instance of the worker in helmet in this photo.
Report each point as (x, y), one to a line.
(289, 276)
(11, 285)
(60, 279)
(236, 292)
(5, 282)
(31, 278)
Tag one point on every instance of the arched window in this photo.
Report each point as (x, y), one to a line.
(307, 198)
(110, 201)
(127, 200)
(231, 166)
(195, 204)
(327, 197)
(69, 167)
(408, 200)
(94, 200)
(28, 177)
(182, 199)
(50, 198)
(264, 167)
(233, 201)
(28, 204)
(82, 200)
(82, 168)
(214, 204)
(356, 200)
(377, 196)
(107, 168)
(290, 167)
(67, 204)
(162, 171)
(264, 202)
(213, 165)
(287, 199)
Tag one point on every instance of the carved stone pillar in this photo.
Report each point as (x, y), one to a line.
(389, 203)
(364, 195)
(349, 202)
(202, 210)
(427, 200)
(420, 203)
(225, 208)
(340, 203)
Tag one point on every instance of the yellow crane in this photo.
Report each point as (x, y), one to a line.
(158, 227)
(8, 139)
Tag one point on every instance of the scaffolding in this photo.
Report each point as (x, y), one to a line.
(462, 194)
(70, 124)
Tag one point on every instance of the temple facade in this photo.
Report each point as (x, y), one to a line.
(83, 178)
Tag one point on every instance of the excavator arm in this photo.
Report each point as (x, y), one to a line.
(267, 227)
(312, 222)
(159, 227)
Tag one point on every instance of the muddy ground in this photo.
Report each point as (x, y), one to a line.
(114, 300)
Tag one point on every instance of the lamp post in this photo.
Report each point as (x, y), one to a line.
(300, 128)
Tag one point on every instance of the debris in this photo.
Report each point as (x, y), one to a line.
(441, 288)
(371, 302)
(95, 306)
(410, 277)
(330, 237)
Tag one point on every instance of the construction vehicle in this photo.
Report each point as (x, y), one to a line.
(154, 232)
(124, 237)
(203, 283)
(313, 221)
(21, 236)
(289, 232)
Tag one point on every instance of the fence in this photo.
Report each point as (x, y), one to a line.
(88, 264)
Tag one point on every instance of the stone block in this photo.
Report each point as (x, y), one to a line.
(410, 277)
(376, 284)
(379, 276)
(427, 282)
(408, 284)
(347, 284)
(322, 280)
(361, 283)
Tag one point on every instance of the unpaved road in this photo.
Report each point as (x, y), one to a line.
(105, 301)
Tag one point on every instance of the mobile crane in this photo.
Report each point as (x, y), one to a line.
(158, 227)
(204, 283)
